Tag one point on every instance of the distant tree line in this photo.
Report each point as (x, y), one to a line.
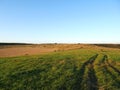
(109, 45)
(14, 44)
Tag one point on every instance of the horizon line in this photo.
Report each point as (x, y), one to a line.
(59, 43)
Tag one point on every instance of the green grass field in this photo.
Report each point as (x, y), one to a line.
(82, 69)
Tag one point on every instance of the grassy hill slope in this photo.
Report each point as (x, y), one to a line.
(81, 69)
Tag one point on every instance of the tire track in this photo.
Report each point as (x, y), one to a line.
(106, 64)
(117, 82)
(91, 75)
(92, 82)
(114, 68)
(92, 79)
(105, 60)
(105, 71)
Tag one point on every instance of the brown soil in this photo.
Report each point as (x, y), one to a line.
(21, 51)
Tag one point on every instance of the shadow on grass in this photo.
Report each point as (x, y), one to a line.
(25, 80)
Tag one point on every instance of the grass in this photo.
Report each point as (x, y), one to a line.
(82, 69)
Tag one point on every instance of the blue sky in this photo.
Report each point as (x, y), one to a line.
(62, 21)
